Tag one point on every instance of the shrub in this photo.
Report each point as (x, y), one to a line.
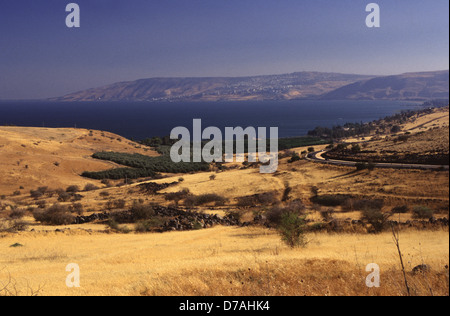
(236, 215)
(327, 215)
(76, 208)
(12, 226)
(295, 157)
(364, 204)
(422, 212)
(275, 214)
(17, 214)
(268, 198)
(197, 200)
(91, 187)
(149, 225)
(36, 194)
(41, 204)
(115, 204)
(73, 189)
(209, 198)
(142, 212)
(376, 219)
(292, 230)
(55, 215)
(330, 199)
(356, 148)
(400, 209)
(64, 196)
(177, 196)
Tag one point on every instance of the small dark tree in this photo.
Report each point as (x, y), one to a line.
(292, 229)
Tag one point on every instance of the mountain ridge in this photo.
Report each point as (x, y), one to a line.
(297, 85)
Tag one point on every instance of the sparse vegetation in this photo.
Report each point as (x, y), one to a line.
(55, 215)
(422, 212)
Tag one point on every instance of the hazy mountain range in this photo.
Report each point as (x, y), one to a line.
(299, 85)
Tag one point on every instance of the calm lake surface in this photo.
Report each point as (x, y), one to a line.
(139, 120)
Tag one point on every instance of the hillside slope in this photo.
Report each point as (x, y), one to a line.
(31, 157)
(273, 87)
(409, 86)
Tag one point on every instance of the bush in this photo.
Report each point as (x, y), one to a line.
(36, 194)
(17, 214)
(295, 157)
(73, 189)
(55, 215)
(422, 212)
(197, 200)
(330, 199)
(177, 196)
(91, 187)
(275, 214)
(115, 204)
(400, 209)
(142, 212)
(292, 230)
(268, 198)
(76, 208)
(364, 204)
(64, 196)
(376, 219)
(149, 225)
(327, 215)
(11, 226)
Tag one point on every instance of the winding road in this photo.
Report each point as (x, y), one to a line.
(317, 157)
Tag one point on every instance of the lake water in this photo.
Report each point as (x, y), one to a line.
(140, 120)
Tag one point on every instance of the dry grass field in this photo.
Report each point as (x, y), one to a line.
(33, 157)
(223, 260)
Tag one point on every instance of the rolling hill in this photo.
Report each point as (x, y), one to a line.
(299, 85)
(409, 86)
(272, 87)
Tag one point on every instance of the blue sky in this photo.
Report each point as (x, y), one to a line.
(127, 40)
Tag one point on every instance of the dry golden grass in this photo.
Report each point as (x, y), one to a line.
(221, 261)
(31, 157)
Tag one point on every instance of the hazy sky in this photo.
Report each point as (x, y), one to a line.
(122, 40)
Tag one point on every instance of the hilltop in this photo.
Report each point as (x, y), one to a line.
(32, 157)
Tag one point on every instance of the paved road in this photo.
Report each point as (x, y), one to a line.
(317, 157)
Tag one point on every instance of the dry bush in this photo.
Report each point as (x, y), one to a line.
(275, 214)
(203, 199)
(12, 226)
(55, 215)
(17, 213)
